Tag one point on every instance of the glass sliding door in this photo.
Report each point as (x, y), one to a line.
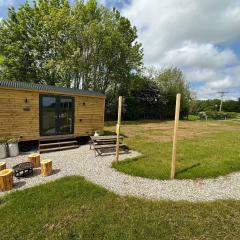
(48, 105)
(66, 115)
(56, 115)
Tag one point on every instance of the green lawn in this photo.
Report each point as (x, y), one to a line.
(204, 150)
(72, 208)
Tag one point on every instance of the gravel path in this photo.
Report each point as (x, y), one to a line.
(81, 161)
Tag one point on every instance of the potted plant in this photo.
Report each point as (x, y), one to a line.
(3, 148)
(13, 149)
(96, 134)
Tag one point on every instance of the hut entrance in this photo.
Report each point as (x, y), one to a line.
(56, 115)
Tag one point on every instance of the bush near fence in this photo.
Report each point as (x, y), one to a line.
(218, 115)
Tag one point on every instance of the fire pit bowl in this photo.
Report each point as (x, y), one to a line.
(23, 169)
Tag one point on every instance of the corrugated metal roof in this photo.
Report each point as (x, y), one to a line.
(40, 87)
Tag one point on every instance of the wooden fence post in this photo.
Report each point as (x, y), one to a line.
(177, 110)
(118, 126)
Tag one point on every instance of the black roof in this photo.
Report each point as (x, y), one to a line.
(40, 87)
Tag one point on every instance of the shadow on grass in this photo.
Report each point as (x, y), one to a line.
(187, 168)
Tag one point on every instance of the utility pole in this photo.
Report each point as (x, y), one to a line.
(222, 94)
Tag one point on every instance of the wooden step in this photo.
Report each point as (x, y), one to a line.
(57, 143)
(47, 145)
(44, 150)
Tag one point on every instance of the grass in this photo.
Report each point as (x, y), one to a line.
(204, 150)
(73, 208)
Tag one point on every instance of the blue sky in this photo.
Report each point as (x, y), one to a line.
(200, 37)
(4, 4)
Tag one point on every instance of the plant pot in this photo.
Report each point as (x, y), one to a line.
(3, 151)
(13, 149)
(96, 134)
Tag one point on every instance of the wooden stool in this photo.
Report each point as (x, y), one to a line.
(6, 180)
(2, 166)
(35, 159)
(46, 167)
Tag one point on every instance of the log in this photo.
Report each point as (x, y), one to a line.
(35, 159)
(46, 167)
(6, 180)
(2, 166)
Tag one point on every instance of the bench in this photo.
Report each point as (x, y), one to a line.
(104, 140)
(100, 143)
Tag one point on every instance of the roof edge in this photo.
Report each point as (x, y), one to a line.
(47, 88)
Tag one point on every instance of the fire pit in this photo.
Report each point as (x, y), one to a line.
(23, 169)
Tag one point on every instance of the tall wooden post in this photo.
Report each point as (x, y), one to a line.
(118, 126)
(174, 148)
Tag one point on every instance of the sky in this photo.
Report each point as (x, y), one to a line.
(201, 37)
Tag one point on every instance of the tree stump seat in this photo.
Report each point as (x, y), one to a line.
(35, 159)
(46, 167)
(6, 180)
(23, 169)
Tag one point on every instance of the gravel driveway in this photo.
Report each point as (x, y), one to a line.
(81, 161)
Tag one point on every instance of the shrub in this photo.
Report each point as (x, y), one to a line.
(13, 140)
(191, 117)
(3, 140)
(218, 115)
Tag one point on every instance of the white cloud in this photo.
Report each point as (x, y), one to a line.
(198, 75)
(213, 81)
(199, 55)
(190, 34)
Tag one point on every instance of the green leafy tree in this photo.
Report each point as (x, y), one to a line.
(170, 81)
(212, 105)
(155, 96)
(82, 45)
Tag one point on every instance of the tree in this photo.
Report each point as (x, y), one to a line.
(27, 47)
(155, 95)
(212, 105)
(170, 81)
(82, 45)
